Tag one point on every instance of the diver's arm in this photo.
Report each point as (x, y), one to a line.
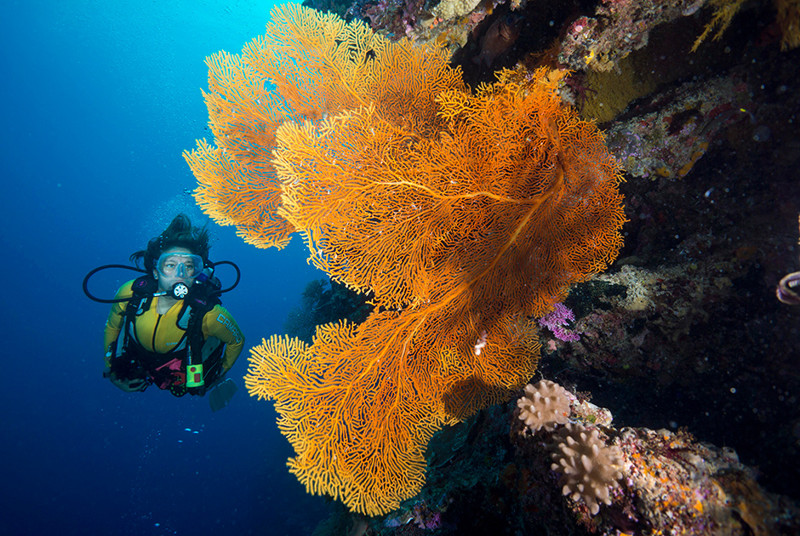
(115, 320)
(219, 323)
(114, 323)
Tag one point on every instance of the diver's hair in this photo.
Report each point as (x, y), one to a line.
(179, 233)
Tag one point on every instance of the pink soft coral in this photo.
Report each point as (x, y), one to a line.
(557, 319)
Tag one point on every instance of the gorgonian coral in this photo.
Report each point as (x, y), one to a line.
(464, 214)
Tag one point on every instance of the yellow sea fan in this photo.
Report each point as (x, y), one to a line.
(724, 11)
(787, 18)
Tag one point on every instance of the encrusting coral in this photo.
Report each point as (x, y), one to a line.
(545, 405)
(464, 214)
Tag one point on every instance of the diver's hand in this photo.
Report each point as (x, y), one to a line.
(128, 385)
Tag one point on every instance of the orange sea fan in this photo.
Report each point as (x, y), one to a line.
(361, 403)
(237, 183)
(463, 214)
(232, 193)
(307, 65)
(513, 200)
(469, 232)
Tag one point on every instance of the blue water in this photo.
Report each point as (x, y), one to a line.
(99, 100)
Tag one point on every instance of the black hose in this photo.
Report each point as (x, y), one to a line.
(133, 268)
(90, 274)
(238, 275)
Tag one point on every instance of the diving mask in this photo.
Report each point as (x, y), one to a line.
(182, 265)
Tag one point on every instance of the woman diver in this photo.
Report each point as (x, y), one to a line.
(167, 327)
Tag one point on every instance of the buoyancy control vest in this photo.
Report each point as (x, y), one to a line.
(201, 358)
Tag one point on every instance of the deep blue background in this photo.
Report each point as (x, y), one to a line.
(99, 100)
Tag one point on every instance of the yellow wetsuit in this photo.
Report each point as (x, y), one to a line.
(161, 334)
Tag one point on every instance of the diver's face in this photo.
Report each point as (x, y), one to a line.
(176, 265)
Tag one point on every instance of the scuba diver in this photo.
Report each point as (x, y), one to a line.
(168, 327)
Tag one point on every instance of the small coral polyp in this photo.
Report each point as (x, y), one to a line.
(590, 468)
(544, 406)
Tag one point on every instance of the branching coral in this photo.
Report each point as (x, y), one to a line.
(590, 468)
(724, 11)
(464, 214)
(557, 320)
(787, 18)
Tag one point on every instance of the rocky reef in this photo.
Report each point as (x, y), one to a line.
(683, 339)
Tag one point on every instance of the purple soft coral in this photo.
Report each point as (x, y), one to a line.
(555, 321)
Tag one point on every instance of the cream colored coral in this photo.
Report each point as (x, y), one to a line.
(590, 468)
(641, 285)
(450, 9)
(545, 405)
